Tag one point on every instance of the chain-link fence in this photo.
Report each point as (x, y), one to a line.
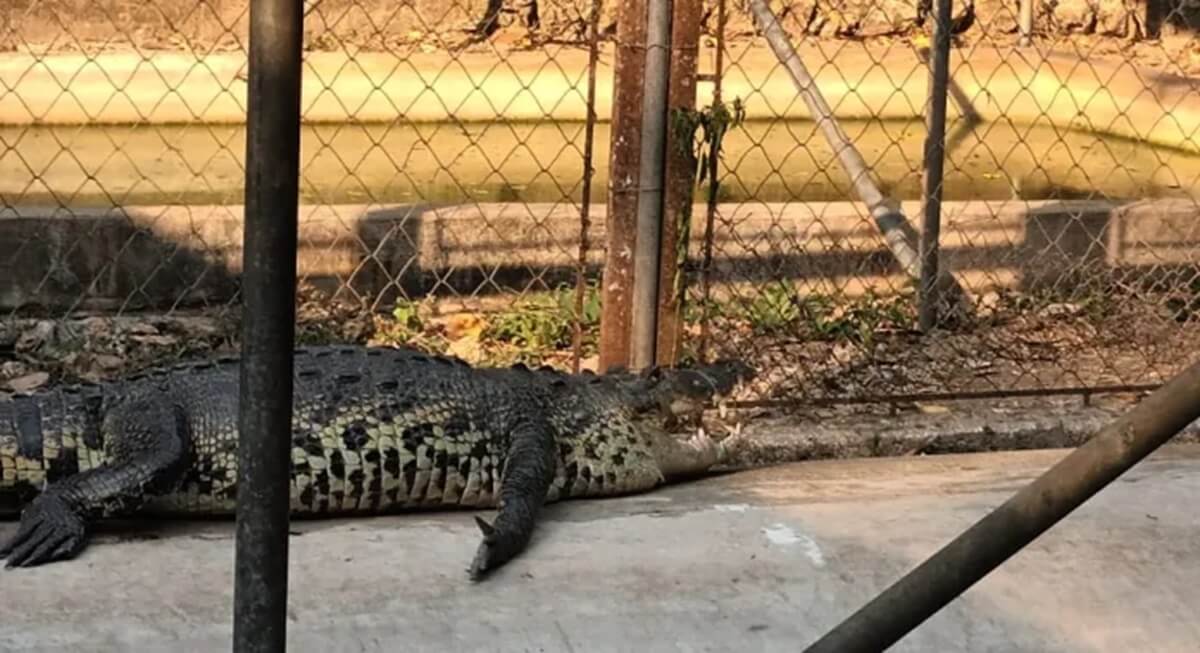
(447, 166)
(455, 175)
(1069, 213)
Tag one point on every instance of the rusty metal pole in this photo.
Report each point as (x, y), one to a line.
(1029, 513)
(680, 181)
(624, 160)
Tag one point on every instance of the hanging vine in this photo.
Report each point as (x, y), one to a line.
(711, 124)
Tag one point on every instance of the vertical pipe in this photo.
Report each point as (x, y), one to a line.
(648, 245)
(935, 157)
(1025, 23)
(626, 138)
(589, 170)
(268, 326)
(710, 214)
(680, 182)
(1025, 516)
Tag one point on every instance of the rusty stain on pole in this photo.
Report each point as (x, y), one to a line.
(680, 181)
(624, 162)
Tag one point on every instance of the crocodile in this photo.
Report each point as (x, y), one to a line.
(375, 430)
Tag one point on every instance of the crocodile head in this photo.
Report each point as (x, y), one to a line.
(671, 397)
(669, 402)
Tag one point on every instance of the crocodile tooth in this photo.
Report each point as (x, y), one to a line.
(723, 410)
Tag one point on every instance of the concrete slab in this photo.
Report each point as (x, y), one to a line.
(763, 560)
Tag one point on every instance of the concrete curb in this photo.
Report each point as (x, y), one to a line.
(959, 430)
(1105, 96)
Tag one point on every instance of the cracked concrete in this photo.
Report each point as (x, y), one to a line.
(762, 560)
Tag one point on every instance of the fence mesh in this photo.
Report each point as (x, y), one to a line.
(446, 192)
(444, 174)
(1069, 213)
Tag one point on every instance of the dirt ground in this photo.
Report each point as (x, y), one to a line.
(1011, 344)
(1105, 28)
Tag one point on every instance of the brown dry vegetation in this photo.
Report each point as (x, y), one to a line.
(1117, 27)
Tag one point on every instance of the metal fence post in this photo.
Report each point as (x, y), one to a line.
(935, 158)
(629, 62)
(679, 182)
(268, 325)
(1025, 23)
(1030, 512)
(652, 164)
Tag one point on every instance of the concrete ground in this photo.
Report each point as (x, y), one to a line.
(762, 560)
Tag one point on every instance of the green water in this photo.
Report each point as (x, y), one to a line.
(764, 161)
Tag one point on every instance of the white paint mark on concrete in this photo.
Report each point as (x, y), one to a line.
(784, 535)
(731, 507)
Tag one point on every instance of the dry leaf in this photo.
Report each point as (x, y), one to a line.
(465, 325)
(468, 348)
(932, 409)
(29, 382)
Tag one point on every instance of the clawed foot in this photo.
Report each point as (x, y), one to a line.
(496, 549)
(50, 531)
(735, 438)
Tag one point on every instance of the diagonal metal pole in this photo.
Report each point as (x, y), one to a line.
(1020, 520)
(898, 234)
(268, 326)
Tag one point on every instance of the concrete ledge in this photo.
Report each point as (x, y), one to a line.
(170, 256)
(1099, 95)
(961, 427)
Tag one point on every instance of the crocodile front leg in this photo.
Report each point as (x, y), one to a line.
(146, 449)
(528, 472)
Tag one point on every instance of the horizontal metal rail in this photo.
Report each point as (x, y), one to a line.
(967, 395)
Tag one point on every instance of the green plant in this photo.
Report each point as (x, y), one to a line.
(862, 318)
(549, 323)
(407, 316)
(773, 310)
(590, 317)
(703, 154)
(407, 327)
